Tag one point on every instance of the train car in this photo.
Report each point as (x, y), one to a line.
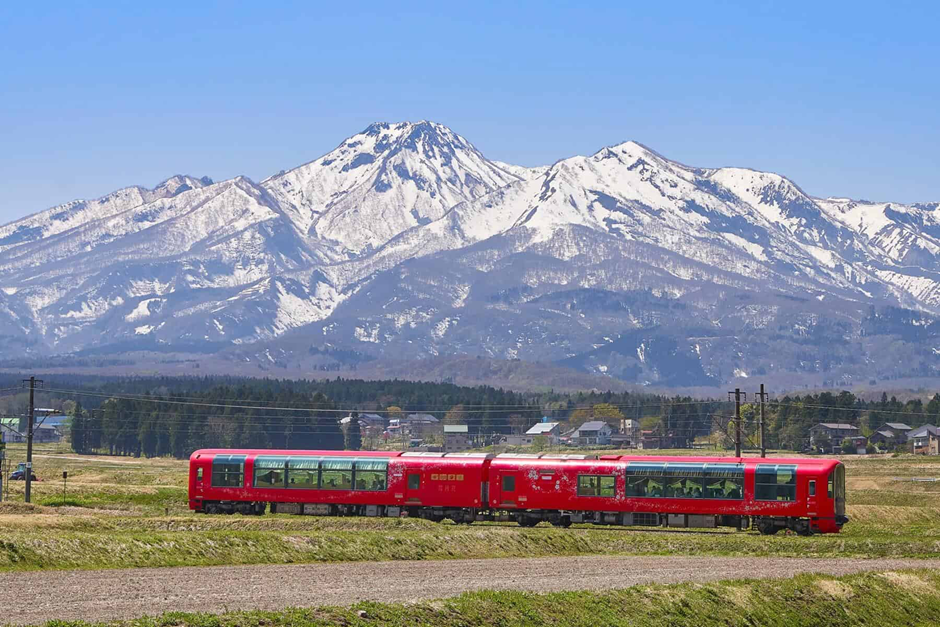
(432, 485)
(803, 495)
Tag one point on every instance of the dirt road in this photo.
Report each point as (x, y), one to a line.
(35, 597)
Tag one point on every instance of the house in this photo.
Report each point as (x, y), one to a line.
(41, 432)
(828, 436)
(11, 430)
(420, 425)
(899, 429)
(925, 440)
(592, 433)
(631, 429)
(456, 438)
(883, 439)
(549, 430)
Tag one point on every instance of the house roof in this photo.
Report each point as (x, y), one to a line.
(422, 418)
(593, 425)
(371, 417)
(920, 432)
(897, 426)
(885, 433)
(542, 428)
(456, 429)
(837, 426)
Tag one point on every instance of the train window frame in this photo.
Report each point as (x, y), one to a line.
(306, 466)
(724, 477)
(604, 486)
(775, 490)
(266, 468)
(645, 474)
(337, 467)
(684, 480)
(376, 469)
(414, 481)
(230, 469)
(508, 483)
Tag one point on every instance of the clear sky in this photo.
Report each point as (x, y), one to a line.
(841, 97)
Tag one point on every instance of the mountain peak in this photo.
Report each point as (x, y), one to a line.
(383, 181)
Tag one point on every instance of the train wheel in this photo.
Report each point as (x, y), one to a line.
(528, 522)
(767, 528)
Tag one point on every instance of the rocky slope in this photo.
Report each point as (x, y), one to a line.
(405, 242)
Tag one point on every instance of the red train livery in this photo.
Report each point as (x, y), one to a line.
(803, 495)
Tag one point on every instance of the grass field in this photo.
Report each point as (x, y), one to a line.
(892, 598)
(122, 512)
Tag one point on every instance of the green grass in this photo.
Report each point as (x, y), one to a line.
(92, 542)
(121, 512)
(886, 599)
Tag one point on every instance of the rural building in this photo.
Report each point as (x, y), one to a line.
(631, 429)
(925, 440)
(549, 430)
(42, 433)
(456, 438)
(420, 425)
(828, 436)
(899, 429)
(883, 439)
(592, 433)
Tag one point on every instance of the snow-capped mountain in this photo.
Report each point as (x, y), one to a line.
(406, 242)
(386, 180)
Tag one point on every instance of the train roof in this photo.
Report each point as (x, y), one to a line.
(298, 452)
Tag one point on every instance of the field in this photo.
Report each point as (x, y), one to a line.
(907, 597)
(121, 512)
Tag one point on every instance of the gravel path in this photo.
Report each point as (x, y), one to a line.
(35, 597)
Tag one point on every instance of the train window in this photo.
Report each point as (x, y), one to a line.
(587, 485)
(509, 483)
(812, 488)
(645, 480)
(336, 474)
(414, 481)
(597, 485)
(775, 483)
(228, 471)
(303, 473)
(684, 481)
(199, 475)
(372, 474)
(829, 489)
(270, 472)
(724, 481)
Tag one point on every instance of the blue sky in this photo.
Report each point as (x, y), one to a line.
(841, 97)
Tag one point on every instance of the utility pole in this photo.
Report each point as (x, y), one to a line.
(763, 439)
(29, 434)
(737, 420)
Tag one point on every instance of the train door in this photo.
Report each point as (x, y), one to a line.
(413, 490)
(504, 489)
(837, 490)
(811, 498)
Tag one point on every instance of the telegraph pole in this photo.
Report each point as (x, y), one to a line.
(763, 438)
(29, 434)
(737, 420)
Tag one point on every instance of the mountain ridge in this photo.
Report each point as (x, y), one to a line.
(406, 241)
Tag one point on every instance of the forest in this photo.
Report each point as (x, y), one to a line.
(162, 416)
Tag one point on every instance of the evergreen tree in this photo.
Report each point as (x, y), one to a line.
(353, 435)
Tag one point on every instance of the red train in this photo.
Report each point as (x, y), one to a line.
(804, 495)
